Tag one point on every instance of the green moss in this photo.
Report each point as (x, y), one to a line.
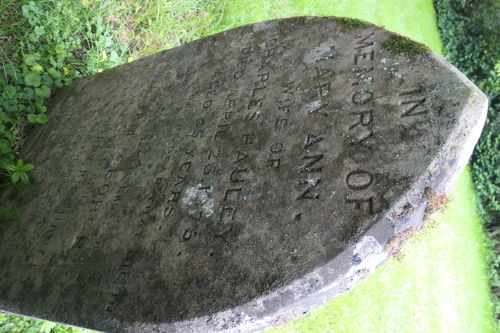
(398, 45)
(350, 23)
(346, 22)
(314, 19)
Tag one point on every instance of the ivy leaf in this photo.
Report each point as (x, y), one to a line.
(24, 177)
(47, 80)
(114, 57)
(33, 79)
(15, 177)
(10, 167)
(28, 167)
(31, 59)
(41, 118)
(40, 107)
(47, 327)
(32, 118)
(29, 94)
(4, 147)
(9, 92)
(37, 68)
(54, 73)
(39, 30)
(43, 92)
(34, 38)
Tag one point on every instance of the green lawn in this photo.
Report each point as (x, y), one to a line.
(414, 18)
(440, 282)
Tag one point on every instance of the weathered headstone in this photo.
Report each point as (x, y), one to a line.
(234, 182)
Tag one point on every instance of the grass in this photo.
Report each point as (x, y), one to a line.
(439, 284)
(145, 27)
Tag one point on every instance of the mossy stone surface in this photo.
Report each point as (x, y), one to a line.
(351, 23)
(398, 45)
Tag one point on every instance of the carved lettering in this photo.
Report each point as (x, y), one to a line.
(276, 147)
(236, 176)
(309, 165)
(361, 77)
(359, 180)
(361, 97)
(213, 153)
(364, 56)
(360, 203)
(312, 139)
(362, 42)
(414, 104)
(364, 118)
(414, 108)
(234, 193)
(209, 168)
(248, 138)
(308, 194)
(240, 156)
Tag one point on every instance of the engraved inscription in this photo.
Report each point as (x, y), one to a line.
(210, 175)
(412, 102)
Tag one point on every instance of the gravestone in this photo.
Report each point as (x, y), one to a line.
(235, 182)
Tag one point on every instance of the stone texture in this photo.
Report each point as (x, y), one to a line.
(234, 182)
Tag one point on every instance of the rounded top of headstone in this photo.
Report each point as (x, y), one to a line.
(246, 176)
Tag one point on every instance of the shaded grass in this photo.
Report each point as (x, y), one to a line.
(148, 26)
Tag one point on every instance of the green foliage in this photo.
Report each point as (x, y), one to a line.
(18, 171)
(15, 324)
(49, 43)
(469, 30)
